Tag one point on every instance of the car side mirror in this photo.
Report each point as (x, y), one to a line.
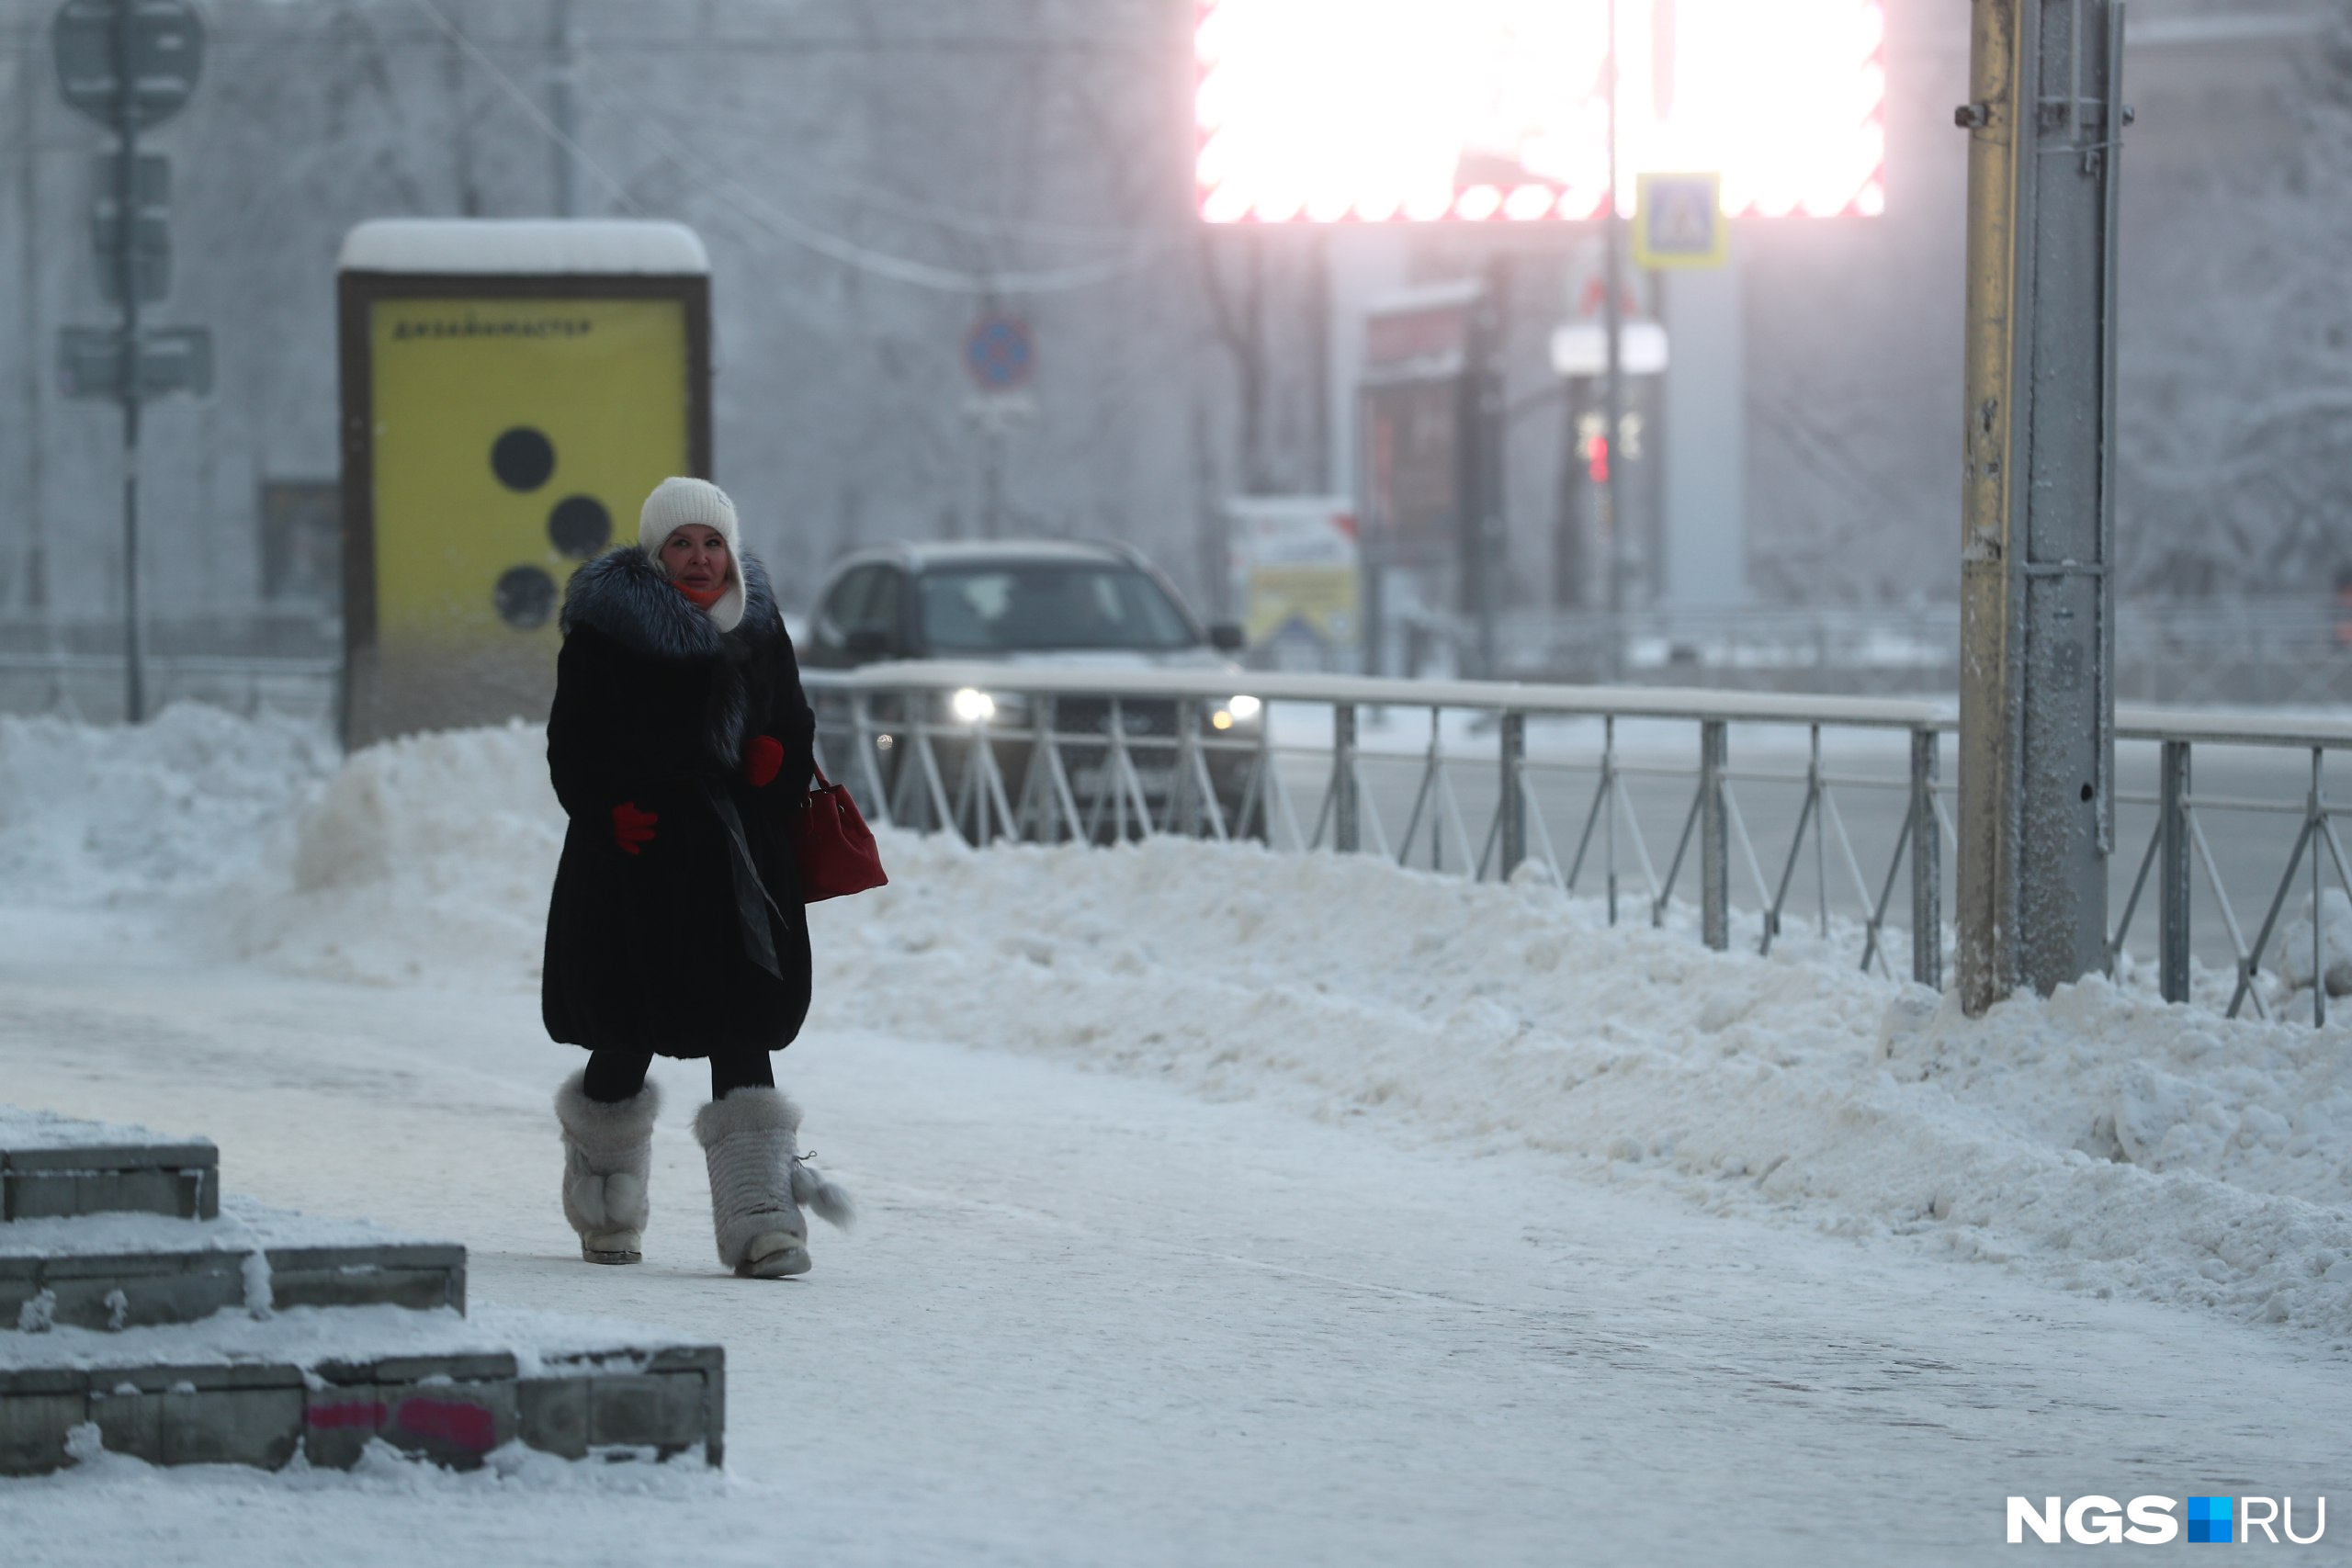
(867, 642)
(1227, 636)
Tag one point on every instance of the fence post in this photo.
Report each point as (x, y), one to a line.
(1715, 839)
(1184, 812)
(1343, 779)
(2172, 870)
(2317, 816)
(1512, 805)
(1926, 865)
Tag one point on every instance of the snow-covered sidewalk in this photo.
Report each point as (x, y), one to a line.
(1220, 1207)
(1095, 1320)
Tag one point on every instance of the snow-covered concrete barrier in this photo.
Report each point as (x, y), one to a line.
(54, 1166)
(253, 1336)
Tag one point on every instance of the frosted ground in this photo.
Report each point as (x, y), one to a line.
(1220, 1206)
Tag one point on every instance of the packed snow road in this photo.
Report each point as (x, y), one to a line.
(1220, 1207)
(1093, 1320)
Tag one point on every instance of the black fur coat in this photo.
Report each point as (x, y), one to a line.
(699, 943)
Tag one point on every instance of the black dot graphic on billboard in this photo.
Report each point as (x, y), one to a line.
(580, 526)
(526, 597)
(522, 458)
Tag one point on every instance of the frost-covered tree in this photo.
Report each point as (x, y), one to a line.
(2237, 439)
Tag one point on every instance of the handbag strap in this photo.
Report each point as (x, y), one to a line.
(822, 782)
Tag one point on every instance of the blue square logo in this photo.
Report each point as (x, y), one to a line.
(2209, 1520)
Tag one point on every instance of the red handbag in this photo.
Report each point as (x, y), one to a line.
(835, 846)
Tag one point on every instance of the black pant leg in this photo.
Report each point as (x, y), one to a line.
(740, 1069)
(615, 1075)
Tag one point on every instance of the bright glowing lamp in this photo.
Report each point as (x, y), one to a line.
(1431, 111)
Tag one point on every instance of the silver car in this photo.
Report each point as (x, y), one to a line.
(1053, 602)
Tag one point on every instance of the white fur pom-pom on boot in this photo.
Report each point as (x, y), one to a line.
(758, 1181)
(607, 1156)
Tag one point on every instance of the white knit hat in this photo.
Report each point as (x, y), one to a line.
(674, 503)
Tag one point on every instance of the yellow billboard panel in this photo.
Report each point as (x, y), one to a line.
(513, 440)
(495, 440)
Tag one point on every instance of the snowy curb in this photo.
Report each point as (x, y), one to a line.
(55, 1167)
(456, 1391)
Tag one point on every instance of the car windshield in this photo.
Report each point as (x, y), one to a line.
(1035, 607)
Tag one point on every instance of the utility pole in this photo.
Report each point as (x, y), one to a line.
(1613, 324)
(132, 64)
(37, 564)
(1486, 466)
(126, 263)
(2037, 698)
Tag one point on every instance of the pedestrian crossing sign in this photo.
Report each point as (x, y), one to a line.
(1678, 221)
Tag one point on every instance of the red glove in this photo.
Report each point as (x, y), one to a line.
(762, 759)
(632, 828)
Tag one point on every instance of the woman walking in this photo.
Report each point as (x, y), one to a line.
(678, 740)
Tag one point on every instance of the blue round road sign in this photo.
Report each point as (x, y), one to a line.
(997, 351)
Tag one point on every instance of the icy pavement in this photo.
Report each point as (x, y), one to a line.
(1219, 1207)
(1093, 1319)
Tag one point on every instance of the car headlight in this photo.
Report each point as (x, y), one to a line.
(1239, 710)
(969, 705)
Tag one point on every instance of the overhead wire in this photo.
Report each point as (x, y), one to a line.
(538, 116)
(881, 264)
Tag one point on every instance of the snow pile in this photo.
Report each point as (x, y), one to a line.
(427, 855)
(109, 816)
(24, 1129)
(2293, 949)
(2099, 1138)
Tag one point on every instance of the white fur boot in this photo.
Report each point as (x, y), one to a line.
(607, 1155)
(758, 1181)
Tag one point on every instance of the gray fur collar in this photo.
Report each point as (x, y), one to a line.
(624, 595)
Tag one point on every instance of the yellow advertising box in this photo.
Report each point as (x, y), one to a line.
(1295, 572)
(510, 392)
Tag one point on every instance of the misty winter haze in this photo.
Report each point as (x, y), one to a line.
(1173, 784)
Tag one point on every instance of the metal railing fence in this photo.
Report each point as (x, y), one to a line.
(2278, 651)
(90, 686)
(1145, 759)
(1075, 755)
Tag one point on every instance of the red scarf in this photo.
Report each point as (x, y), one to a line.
(702, 598)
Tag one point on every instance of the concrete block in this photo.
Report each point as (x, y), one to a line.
(421, 1276)
(453, 1424)
(60, 1176)
(62, 1153)
(131, 1421)
(476, 1367)
(553, 1413)
(452, 1409)
(259, 1427)
(339, 1423)
(29, 1381)
(134, 1290)
(705, 1367)
(33, 1428)
(660, 1411)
